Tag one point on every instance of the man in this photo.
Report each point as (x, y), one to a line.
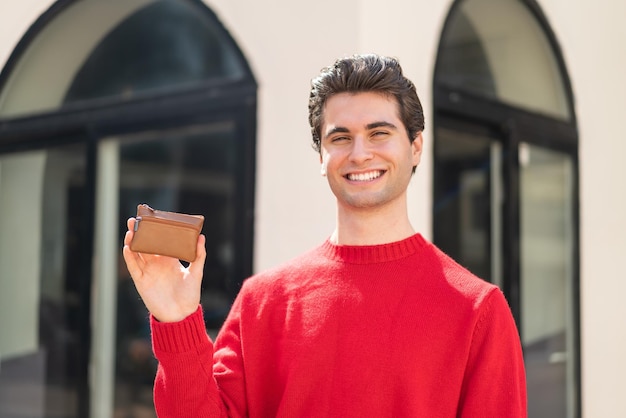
(375, 322)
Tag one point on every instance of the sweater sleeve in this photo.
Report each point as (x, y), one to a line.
(494, 384)
(184, 384)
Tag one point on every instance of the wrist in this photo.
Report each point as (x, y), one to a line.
(173, 315)
(179, 337)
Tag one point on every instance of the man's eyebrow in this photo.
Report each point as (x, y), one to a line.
(381, 124)
(337, 129)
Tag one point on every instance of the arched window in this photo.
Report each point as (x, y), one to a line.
(105, 105)
(104, 53)
(506, 180)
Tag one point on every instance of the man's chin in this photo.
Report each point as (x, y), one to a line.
(364, 202)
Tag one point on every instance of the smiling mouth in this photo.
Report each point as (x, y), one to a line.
(368, 176)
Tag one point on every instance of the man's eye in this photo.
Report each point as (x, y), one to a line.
(380, 133)
(340, 139)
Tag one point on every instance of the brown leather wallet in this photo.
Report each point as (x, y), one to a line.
(166, 233)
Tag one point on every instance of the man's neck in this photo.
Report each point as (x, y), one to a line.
(371, 226)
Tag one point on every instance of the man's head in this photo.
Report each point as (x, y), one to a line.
(360, 74)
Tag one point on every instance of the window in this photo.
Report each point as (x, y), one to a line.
(105, 105)
(117, 53)
(505, 181)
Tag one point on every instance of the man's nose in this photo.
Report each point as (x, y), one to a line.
(360, 151)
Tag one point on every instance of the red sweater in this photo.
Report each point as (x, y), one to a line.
(394, 330)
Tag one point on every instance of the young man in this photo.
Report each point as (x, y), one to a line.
(375, 322)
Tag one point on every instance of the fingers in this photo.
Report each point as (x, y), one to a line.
(128, 237)
(132, 261)
(131, 257)
(130, 224)
(196, 267)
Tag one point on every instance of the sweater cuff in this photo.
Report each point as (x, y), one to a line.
(179, 337)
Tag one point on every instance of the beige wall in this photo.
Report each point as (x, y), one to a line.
(287, 43)
(285, 49)
(295, 209)
(15, 19)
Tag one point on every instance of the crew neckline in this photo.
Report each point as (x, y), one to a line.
(369, 254)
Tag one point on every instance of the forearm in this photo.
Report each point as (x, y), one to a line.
(184, 384)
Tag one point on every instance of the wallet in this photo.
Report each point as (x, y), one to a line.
(166, 233)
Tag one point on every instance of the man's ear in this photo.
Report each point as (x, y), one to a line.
(416, 149)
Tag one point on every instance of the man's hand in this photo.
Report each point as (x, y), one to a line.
(170, 291)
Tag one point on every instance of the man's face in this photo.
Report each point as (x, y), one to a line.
(365, 151)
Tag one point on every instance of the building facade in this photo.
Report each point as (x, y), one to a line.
(201, 107)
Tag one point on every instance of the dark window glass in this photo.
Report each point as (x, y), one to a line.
(464, 200)
(192, 170)
(165, 45)
(463, 61)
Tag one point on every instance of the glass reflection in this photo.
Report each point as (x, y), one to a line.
(42, 305)
(546, 270)
(463, 220)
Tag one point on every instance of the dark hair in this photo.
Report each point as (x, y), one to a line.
(365, 73)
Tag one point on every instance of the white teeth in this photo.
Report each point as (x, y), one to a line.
(371, 175)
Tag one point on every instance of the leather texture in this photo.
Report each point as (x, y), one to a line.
(170, 234)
